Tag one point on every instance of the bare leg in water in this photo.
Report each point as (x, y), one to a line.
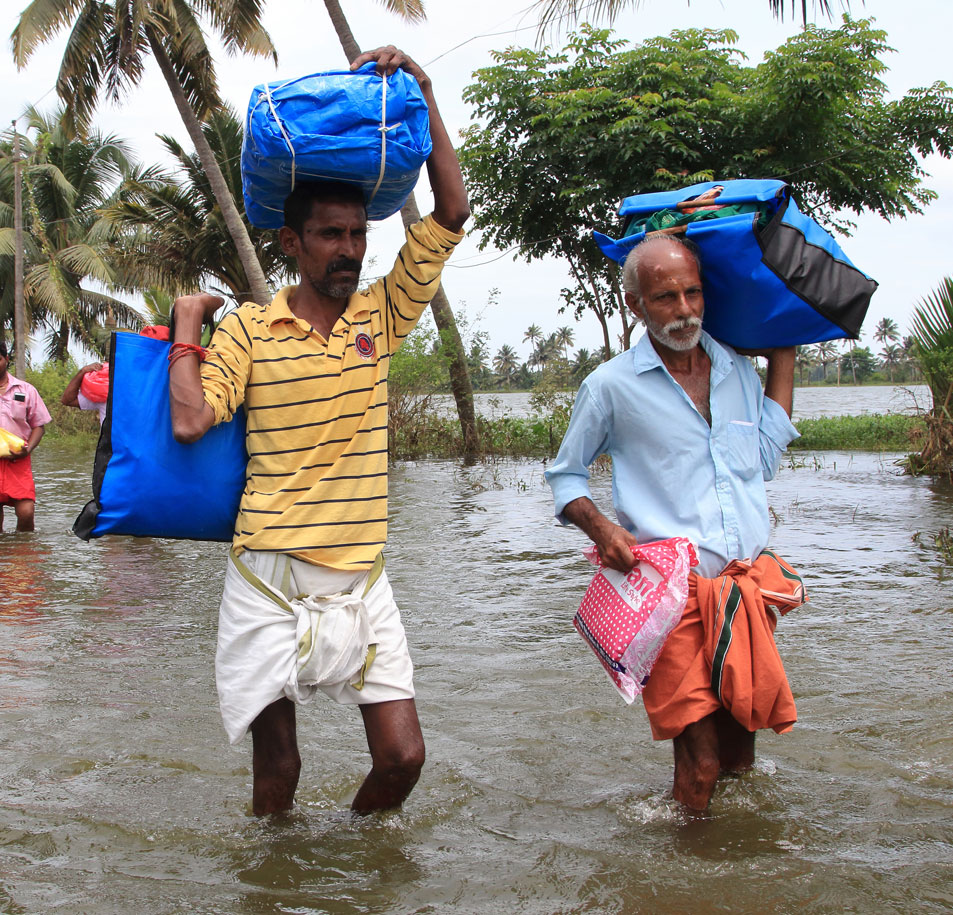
(393, 737)
(276, 764)
(703, 751)
(397, 755)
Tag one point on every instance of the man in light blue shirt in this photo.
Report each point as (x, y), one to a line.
(692, 438)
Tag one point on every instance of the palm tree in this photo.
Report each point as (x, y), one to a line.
(908, 358)
(851, 346)
(546, 350)
(826, 354)
(583, 364)
(533, 334)
(564, 337)
(554, 11)
(804, 359)
(886, 331)
(891, 356)
(506, 364)
(158, 305)
(460, 383)
(66, 183)
(107, 47)
(173, 233)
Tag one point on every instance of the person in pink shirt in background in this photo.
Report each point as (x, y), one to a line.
(23, 413)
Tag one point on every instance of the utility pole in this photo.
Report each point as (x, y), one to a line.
(19, 321)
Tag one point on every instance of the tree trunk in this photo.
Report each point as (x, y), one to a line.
(578, 275)
(233, 220)
(460, 382)
(343, 30)
(443, 317)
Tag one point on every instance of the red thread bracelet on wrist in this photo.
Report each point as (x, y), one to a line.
(178, 350)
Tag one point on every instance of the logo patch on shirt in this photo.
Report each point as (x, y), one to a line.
(364, 346)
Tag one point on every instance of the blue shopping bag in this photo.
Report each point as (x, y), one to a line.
(147, 484)
(772, 276)
(341, 125)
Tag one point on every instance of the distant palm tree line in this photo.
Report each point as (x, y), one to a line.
(830, 362)
(835, 361)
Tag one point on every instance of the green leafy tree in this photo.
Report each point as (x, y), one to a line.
(66, 182)
(861, 363)
(107, 49)
(173, 233)
(561, 137)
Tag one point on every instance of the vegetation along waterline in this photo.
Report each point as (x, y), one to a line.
(419, 429)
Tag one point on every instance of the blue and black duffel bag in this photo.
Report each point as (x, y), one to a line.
(147, 484)
(342, 125)
(772, 276)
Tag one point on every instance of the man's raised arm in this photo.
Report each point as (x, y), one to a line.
(451, 207)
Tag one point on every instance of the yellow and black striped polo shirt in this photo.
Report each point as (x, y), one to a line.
(317, 409)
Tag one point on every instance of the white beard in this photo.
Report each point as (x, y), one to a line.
(664, 333)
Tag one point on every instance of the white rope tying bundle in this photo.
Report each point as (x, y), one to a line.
(383, 129)
(284, 133)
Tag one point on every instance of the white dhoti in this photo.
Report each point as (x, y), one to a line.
(290, 628)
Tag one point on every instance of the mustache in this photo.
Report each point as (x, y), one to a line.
(344, 263)
(682, 324)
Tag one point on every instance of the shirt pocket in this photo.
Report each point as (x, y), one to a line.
(18, 410)
(744, 451)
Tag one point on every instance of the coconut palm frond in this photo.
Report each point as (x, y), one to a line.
(7, 242)
(85, 260)
(408, 10)
(933, 319)
(239, 24)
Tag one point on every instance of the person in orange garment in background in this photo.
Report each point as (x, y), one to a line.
(692, 437)
(23, 413)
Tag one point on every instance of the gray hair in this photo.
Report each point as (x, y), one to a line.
(630, 270)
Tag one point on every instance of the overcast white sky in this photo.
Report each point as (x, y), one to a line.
(907, 257)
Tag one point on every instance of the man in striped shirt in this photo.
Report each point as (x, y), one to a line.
(311, 370)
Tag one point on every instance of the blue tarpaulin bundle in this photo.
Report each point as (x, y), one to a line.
(147, 484)
(342, 125)
(772, 276)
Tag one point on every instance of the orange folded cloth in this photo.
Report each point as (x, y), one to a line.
(722, 653)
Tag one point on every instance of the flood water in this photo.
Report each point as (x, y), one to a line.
(543, 793)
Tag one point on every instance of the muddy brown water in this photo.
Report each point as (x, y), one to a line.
(543, 793)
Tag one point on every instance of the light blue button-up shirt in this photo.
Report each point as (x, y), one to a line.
(672, 475)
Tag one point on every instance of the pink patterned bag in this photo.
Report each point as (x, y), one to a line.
(627, 618)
